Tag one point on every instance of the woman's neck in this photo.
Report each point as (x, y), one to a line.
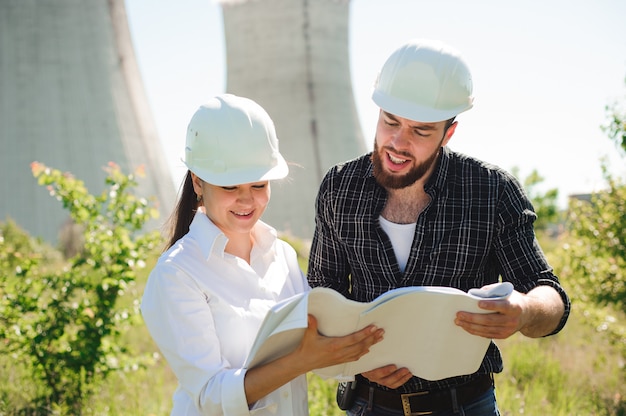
(240, 245)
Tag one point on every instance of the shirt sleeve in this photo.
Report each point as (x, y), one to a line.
(328, 264)
(179, 320)
(521, 258)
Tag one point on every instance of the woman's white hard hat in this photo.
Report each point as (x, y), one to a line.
(231, 140)
(424, 80)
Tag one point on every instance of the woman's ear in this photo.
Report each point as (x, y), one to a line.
(197, 184)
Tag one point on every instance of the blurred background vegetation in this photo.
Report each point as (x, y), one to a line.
(72, 342)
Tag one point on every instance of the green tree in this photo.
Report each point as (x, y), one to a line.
(545, 204)
(616, 126)
(594, 252)
(598, 246)
(64, 322)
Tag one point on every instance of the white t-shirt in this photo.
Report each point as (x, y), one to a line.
(203, 308)
(401, 236)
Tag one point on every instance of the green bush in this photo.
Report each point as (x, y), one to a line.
(62, 323)
(592, 259)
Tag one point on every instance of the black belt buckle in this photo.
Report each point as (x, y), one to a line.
(406, 404)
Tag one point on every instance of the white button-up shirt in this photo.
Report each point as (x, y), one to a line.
(203, 308)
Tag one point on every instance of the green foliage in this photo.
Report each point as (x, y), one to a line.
(587, 371)
(322, 396)
(545, 204)
(597, 252)
(533, 382)
(63, 322)
(301, 247)
(566, 374)
(19, 253)
(593, 257)
(616, 127)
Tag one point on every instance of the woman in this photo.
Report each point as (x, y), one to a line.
(223, 270)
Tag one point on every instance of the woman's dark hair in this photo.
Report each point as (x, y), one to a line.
(186, 207)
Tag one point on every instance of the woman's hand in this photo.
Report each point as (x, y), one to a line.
(319, 351)
(315, 351)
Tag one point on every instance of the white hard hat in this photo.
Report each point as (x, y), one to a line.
(425, 81)
(231, 140)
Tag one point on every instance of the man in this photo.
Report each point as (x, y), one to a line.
(415, 213)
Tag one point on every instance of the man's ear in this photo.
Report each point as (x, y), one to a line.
(449, 133)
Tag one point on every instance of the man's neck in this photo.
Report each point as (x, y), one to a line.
(404, 205)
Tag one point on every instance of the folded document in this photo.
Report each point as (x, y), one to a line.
(420, 333)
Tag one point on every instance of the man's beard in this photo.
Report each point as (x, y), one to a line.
(396, 181)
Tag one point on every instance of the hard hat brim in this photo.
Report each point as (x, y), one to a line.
(242, 176)
(414, 111)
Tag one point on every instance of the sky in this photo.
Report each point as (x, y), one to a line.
(543, 73)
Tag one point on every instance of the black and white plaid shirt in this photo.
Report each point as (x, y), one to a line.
(477, 228)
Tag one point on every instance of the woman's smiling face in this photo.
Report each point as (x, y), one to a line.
(234, 209)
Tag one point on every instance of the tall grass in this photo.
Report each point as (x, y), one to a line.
(574, 373)
(577, 372)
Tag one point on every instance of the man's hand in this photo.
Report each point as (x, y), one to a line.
(389, 376)
(534, 314)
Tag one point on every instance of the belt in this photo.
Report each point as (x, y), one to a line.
(428, 401)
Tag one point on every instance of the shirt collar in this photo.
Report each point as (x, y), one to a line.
(208, 236)
(369, 173)
(440, 173)
(264, 235)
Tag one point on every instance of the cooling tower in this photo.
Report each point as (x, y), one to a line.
(292, 57)
(71, 97)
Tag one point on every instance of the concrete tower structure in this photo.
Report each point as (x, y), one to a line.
(292, 57)
(71, 97)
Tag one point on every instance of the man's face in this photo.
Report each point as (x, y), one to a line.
(405, 151)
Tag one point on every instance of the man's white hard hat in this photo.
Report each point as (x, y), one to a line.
(231, 140)
(424, 80)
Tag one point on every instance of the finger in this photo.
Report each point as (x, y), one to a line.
(370, 333)
(494, 305)
(398, 378)
(486, 319)
(350, 347)
(488, 326)
(366, 336)
(491, 333)
(312, 322)
(393, 379)
(380, 372)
